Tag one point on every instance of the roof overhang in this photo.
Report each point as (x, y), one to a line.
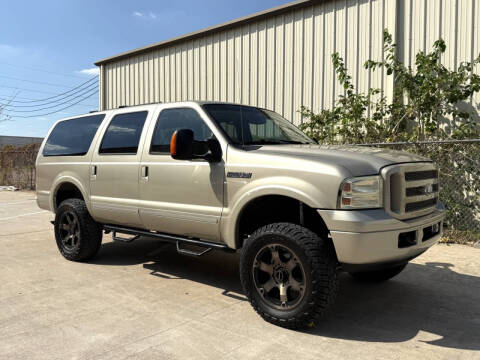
(226, 25)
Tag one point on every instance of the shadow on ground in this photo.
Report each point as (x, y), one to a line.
(430, 298)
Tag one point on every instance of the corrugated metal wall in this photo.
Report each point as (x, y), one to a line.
(283, 62)
(422, 22)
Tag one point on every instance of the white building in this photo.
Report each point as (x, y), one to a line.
(280, 58)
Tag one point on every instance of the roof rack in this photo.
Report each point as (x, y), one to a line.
(150, 103)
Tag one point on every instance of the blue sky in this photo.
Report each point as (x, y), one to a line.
(48, 47)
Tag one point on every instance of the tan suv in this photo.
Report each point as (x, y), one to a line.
(229, 177)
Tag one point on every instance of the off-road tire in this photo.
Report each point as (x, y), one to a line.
(318, 259)
(90, 232)
(377, 276)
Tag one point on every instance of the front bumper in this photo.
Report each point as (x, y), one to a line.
(372, 236)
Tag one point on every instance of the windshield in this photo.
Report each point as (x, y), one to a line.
(246, 125)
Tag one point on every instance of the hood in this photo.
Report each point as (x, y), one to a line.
(359, 160)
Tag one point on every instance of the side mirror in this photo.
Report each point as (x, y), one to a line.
(215, 154)
(181, 144)
(184, 147)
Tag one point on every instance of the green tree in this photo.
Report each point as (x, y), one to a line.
(422, 99)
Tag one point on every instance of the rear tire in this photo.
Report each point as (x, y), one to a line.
(289, 274)
(78, 236)
(378, 275)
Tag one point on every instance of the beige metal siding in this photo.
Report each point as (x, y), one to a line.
(456, 21)
(284, 61)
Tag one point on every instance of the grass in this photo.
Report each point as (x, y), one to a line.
(460, 237)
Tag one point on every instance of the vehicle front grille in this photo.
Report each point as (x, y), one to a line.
(412, 189)
(419, 190)
(420, 205)
(421, 175)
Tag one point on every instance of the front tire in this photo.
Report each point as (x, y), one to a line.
(78, 236)
(377, 276)
(289, 274)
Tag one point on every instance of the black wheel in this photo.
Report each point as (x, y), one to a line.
(289, 274)
(78, 236)
(378, 275)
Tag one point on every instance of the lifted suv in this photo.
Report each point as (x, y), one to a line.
(237, 178)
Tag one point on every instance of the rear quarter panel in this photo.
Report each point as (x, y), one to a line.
(53, 171)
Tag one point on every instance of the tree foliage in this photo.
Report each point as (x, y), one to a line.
(429, 102)
(423, 98)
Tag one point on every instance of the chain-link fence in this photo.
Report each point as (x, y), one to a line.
(459, 170)
(458, 163)
(17, 166)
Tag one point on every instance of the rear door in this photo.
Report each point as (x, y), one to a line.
(114, 172)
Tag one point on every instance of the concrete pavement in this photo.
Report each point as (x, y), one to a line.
(143, 300)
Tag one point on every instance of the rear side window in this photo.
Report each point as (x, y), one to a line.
(72, 137)
(123, 133)
(171, 120)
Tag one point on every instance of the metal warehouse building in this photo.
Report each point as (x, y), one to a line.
(280, 58)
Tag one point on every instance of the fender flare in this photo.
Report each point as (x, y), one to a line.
(63, 179)
(230, 232)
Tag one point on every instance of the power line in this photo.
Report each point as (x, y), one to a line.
(89, 87)
(52, 106)
(51, 97)
(33, 81)
(41, 70)
(53, 112)
(24, 98)
(30, 90)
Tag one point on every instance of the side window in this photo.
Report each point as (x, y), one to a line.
(72, 137)
(123, 133)
(171, 120)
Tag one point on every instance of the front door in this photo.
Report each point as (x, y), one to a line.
(178, 196)
(115, 171)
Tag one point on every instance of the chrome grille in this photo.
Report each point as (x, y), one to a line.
(421, 175)
(411, 189)
(419, 190)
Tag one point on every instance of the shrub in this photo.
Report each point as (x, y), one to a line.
(422, 99)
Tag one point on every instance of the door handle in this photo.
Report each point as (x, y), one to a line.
(145, 172)
(94, 172)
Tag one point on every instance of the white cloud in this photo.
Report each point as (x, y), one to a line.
(149, 15)
(9, 49)
(91, 71)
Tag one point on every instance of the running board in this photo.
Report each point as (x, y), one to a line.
(122, 239)
(192, 252)
(136, 233)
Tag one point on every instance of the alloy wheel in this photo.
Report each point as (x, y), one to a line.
(279, 276)
(69, 230)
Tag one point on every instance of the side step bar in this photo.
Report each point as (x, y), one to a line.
(122, 239)
(136, 233)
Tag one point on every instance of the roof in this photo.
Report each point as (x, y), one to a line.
(226, 25)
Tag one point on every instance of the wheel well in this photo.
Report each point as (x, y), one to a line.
(67, 191)
(276, 208)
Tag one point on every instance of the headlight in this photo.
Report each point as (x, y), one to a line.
(361, 193)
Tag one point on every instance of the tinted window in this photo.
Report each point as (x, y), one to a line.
(72, 137)
(171, 120)
(123, 133)
(248, 125)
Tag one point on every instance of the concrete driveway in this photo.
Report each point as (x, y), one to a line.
(143, 300)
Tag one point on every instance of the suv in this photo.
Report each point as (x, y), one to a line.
(209, 175)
